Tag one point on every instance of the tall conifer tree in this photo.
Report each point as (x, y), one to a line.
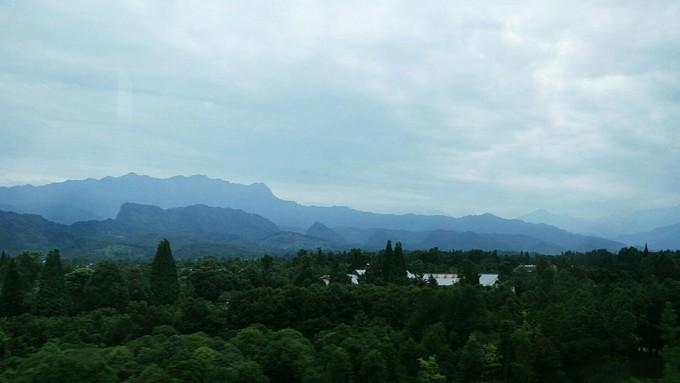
(164, 284)
(51, 298)
(399, 266)
(11, 296)
(388, 262)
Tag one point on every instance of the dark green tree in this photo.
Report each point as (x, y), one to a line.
(373, 367)
(388, 262)
(398, 268)
(267, 265)
(51, 298)
(11, 296)
(429, 371)
(138, 283)
(4, 262)
(471, 362)
(106, 287)
(305, 275)
(164, 284)
(469, 275)
(52, 364)
(28, 266)
(382, 268)
(670, 334)
(357, 259)
(75, 282)
(337, 364)
(434, 342)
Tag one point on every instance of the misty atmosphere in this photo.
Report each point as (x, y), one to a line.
(357, 192)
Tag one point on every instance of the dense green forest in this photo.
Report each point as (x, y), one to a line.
(577, 317)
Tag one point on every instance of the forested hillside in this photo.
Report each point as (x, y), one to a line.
(577, 317)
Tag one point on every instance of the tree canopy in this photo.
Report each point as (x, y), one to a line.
(576, 317)
(164, 285)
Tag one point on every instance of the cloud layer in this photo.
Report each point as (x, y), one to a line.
(387, 106)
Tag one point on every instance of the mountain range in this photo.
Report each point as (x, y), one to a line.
(135, 210)
(659, 228)
(661, 238)
(196, 230)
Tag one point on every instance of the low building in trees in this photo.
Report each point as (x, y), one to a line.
(442, 279)
(355, 275)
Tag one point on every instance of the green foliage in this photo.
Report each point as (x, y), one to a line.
(373, 367)
(52, 363)
(388, 267)
(595, 317)
(337, 364)
(670, 334)
(471, 362)
(305, 275)
(429, 371)
(289, 356)
(671, 357)
(106, 287)
(164, 284)
(469, 274)
(29, 265)
(75, 283)
(11, 296)
(670, 331)
(4, 263)
(51, 298)
(398, 267)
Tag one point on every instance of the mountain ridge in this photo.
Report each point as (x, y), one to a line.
(95, 200)
(139, 227)
(612, 226)
(660, 238)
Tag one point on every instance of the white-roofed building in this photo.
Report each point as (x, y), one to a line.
(443, 279)
(488, 279)
(354, 276)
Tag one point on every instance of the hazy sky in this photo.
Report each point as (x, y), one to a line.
(385, 106)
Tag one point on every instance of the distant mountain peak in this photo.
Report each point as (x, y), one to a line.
(262, 188)
(319, 230)
(318, 225)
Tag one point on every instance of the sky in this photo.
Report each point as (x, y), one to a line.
(388, 106)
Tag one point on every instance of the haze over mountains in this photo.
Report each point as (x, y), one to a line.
(659, 228)
(196, 230)
(208, 215)
(609, 226)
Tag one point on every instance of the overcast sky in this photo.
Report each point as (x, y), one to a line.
(383, 106)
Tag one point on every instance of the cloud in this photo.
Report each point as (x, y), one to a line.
(391, 106)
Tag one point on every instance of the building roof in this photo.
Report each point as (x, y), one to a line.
(488, 279)
(443, 279)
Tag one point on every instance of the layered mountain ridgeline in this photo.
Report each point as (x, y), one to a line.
(614, 226)
(91, 199)
(71, 201)
(662, 238)
(545, 240)
(200, 231)
(196, 230)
